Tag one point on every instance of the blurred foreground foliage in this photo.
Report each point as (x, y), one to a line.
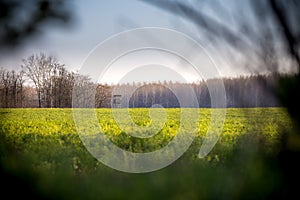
(43, 154)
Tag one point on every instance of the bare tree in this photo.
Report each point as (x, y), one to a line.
(11, 88)
(103, 96)
(40, 69)
(62, 87)
(83, 94)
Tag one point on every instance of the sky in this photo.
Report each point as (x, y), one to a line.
(95, 21)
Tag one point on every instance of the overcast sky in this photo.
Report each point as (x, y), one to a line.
(97, 20)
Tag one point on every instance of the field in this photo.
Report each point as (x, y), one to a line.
(42, 152)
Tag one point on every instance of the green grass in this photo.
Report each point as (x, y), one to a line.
(42, 147)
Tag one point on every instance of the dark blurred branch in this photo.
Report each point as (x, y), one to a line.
(291, 41)
(201, 20)
(253, 38)
(20, 20)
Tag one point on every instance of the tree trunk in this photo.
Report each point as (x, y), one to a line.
(39, 98)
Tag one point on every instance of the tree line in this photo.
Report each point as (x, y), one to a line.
(45, 83)
(244, 91)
